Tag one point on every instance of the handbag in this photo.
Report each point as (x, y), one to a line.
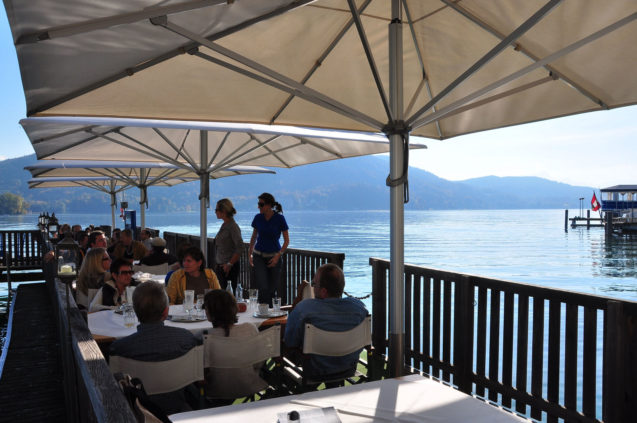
(141, 405)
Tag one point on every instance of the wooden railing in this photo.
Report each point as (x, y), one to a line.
(20, 250)
(298, 265)
(91, 392)
(545, 353)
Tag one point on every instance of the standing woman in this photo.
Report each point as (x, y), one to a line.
(265, 250)
(228, 245)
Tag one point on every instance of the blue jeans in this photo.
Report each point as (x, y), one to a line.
(267, 278)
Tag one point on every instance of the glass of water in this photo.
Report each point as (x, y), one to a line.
(199, 306)
(254, 299)
(276, 303)
(129, 316)
(189, 301)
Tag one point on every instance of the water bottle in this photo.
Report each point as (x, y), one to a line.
(229, 288)
(239, 292)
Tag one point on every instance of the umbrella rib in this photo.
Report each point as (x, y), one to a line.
(321, 147)
(63, 134)
(518, 32)
(218, 150)
(370, 59)
(317, 64)
(231, 158)
(111, 21)
(287, 147)
(182, 147)
(88, 130)
(302, 90)
(515, 75)
(180, 151)
(272, 152)
(424, 82)
(518, 47)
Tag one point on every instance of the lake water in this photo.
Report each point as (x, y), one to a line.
(518, 245)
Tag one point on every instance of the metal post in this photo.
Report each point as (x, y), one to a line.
(113, 202)
(142, 196)
(566, 220)
(396, 163)
(204, 196)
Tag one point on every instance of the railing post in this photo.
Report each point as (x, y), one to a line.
(379, 318)
(620, 369)
(463, 334)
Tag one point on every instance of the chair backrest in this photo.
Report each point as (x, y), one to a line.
(224, 352)
(303, 292)
(160, 269)
(336, 344)
(91, 294)
(160, 377)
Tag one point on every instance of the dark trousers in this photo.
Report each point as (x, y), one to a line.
(267, 278)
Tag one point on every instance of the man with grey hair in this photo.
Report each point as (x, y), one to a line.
(155, 342)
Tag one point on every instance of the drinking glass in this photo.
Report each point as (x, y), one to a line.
(189, 301)
(276, 303)
(129, 294)
(199, 306)
(129, 316)
(254, 299)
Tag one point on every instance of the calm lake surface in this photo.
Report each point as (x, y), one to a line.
(518, 245)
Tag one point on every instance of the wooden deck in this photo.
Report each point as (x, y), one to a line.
(31, 387)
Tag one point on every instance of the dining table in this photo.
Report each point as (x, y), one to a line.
(408, 399)
(108, 325)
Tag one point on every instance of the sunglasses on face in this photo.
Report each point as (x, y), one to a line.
(125, 272)
(260, 204)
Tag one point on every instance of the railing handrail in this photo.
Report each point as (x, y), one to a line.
(457, 325)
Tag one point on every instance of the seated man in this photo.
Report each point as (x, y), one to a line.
(155, 342)
(157, 255)
(145, 237)
(327, 311)
(127, 248)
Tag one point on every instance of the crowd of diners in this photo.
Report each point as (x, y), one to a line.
(107, 267)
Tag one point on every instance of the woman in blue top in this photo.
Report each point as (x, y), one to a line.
(265, 251)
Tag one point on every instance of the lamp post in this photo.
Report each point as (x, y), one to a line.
(52, 226)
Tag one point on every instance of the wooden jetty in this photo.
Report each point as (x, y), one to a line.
(579, 221)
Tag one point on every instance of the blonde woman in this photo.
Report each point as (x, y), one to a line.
(93, 273)
(228, 245)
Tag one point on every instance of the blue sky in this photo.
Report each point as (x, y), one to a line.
(593, 149)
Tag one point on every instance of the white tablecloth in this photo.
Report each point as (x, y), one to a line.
(109, 323)
(412, 399)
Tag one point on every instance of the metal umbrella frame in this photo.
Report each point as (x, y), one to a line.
(451, 68)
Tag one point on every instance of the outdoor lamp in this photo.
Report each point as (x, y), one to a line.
(68, 255)
(52, 226)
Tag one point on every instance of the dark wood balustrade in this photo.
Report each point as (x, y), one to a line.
(545, 353)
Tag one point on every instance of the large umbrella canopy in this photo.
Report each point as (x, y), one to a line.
(437, 68)
(138, 174)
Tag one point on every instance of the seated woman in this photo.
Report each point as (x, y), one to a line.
(93, 273)
(113, 292)
(224, 385)
(193, 275)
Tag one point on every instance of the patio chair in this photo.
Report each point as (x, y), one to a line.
(332, 344)
(239, 355)
(161, 377)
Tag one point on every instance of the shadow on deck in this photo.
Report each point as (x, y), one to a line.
(31, 383)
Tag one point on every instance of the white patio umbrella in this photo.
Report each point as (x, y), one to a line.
(138, 174)
(197, 148)
(110, 186)
(437, 68)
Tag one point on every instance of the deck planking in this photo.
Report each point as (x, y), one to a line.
(31, 385)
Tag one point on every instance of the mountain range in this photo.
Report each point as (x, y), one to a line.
(348, 184)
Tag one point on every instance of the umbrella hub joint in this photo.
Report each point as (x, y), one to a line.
(396, 127)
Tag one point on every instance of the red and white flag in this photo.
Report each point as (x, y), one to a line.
(594, 203)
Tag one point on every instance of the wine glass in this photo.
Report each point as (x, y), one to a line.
(189, 301)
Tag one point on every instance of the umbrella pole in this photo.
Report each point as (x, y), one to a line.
(142, 197)
(396, 165)
(204, 196)
(113, 204)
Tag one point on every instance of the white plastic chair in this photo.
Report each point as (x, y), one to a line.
(161, 377)
(333, 344)
(160, 269)
(240, 354)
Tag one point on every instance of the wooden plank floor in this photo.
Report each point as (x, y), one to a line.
(31, 384)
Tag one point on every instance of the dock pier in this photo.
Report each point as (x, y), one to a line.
(578, 221)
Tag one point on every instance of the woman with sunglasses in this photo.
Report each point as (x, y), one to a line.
(265, 250)
(228, 245)
(113, 292)
(93, 273)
